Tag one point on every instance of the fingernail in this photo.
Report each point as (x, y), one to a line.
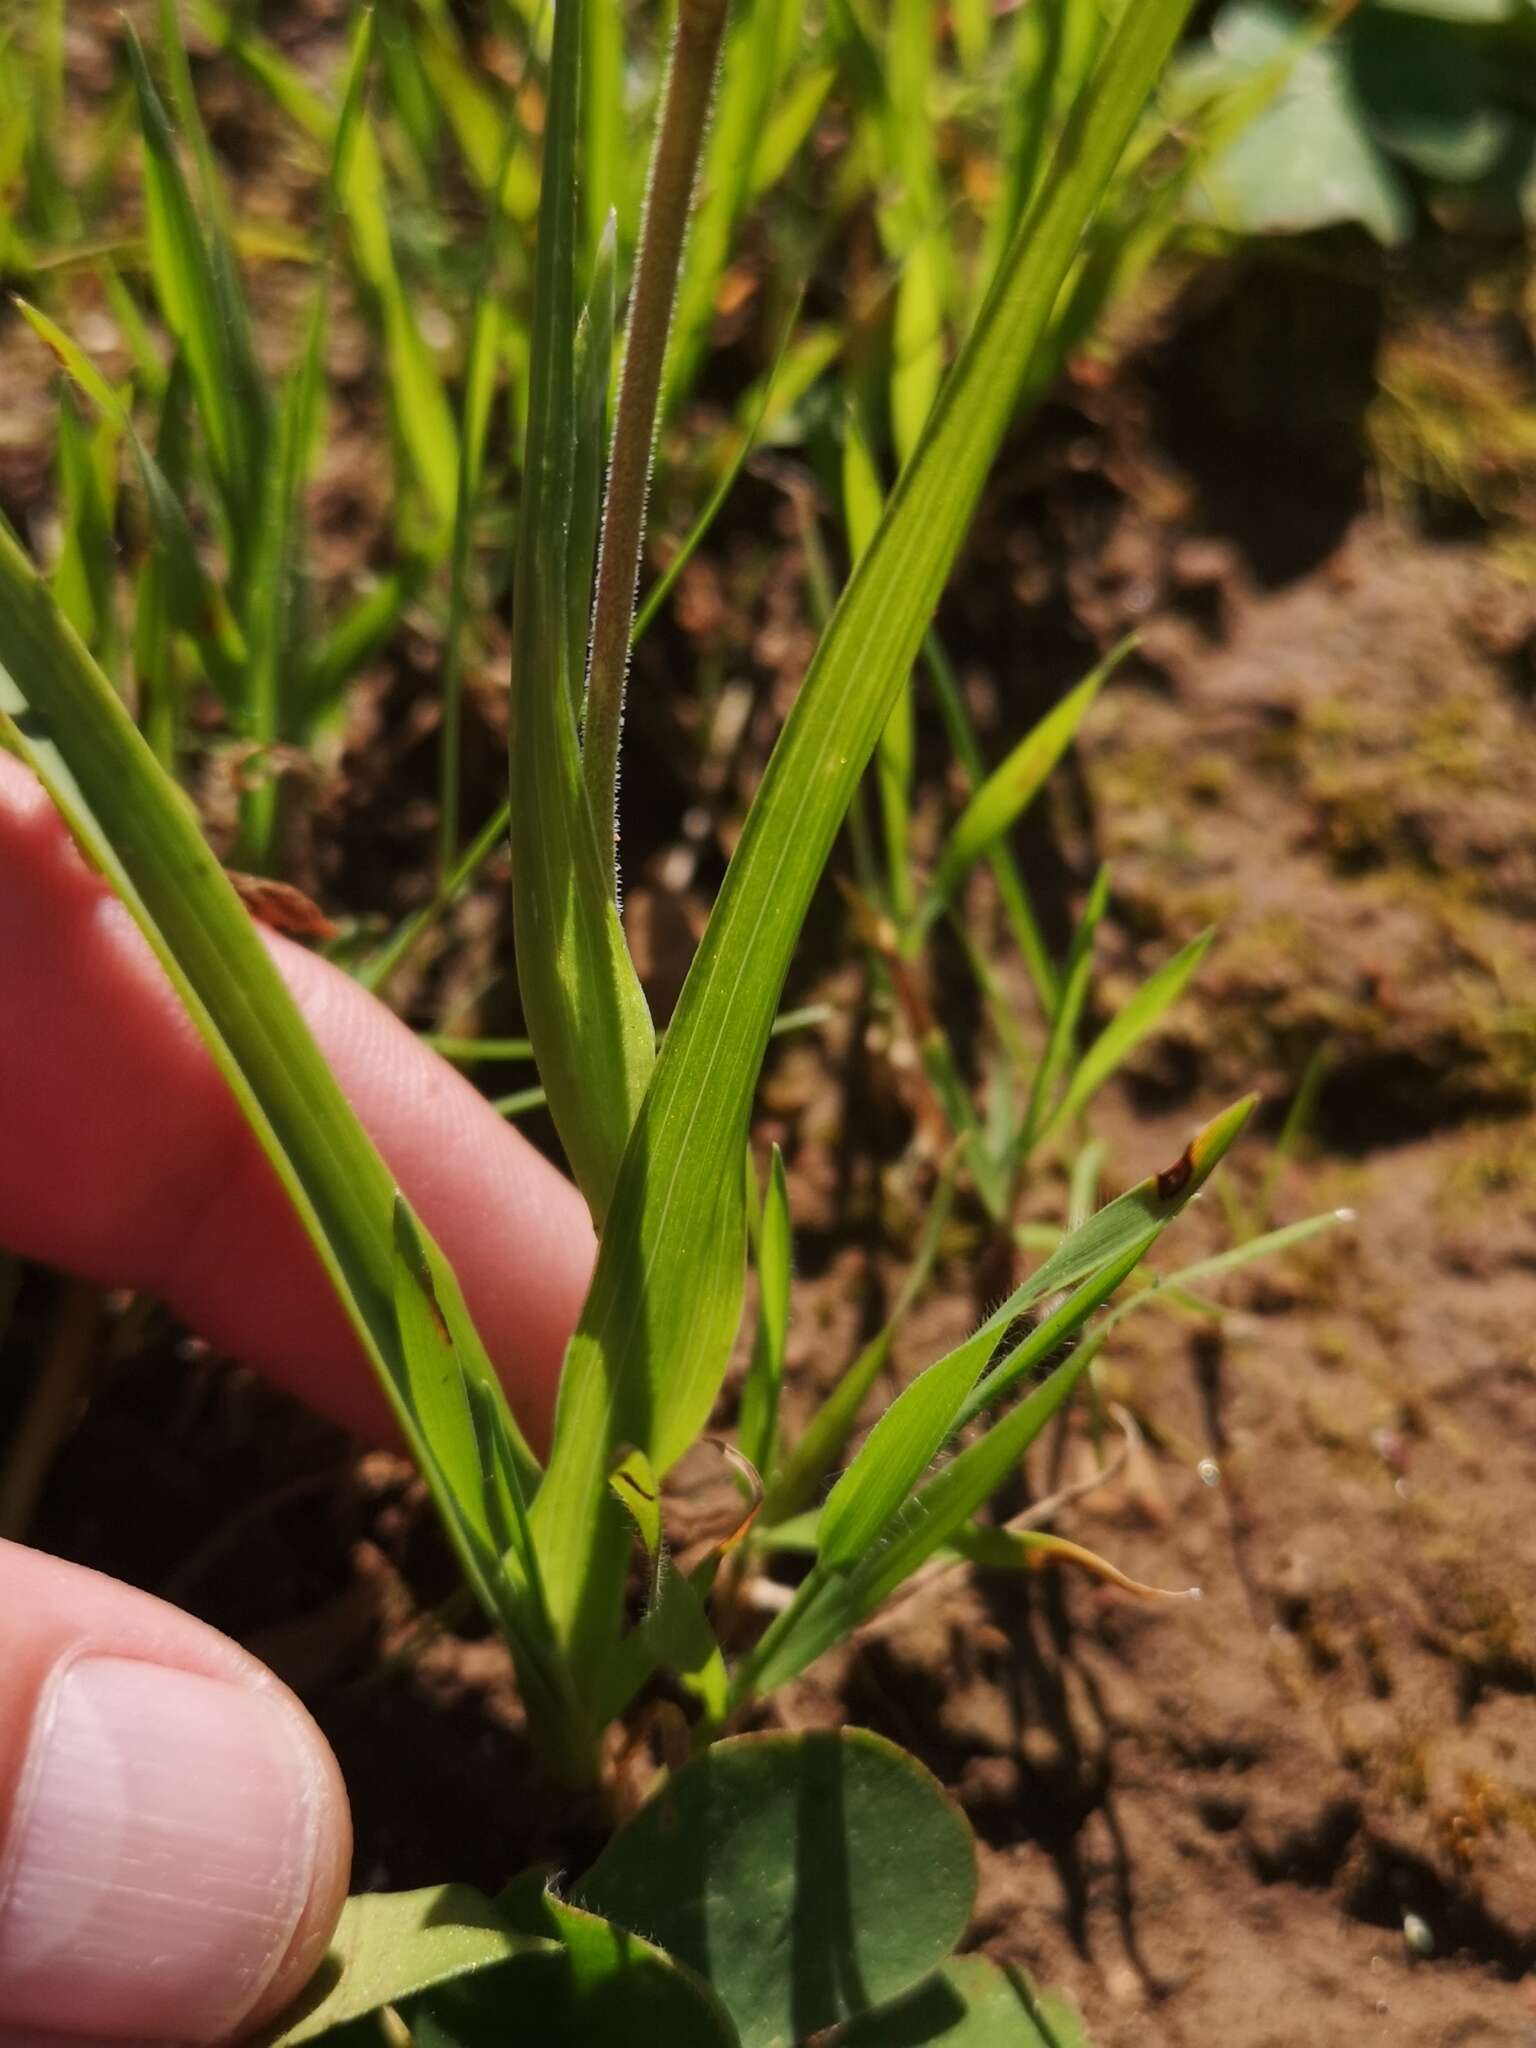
(161, 1852)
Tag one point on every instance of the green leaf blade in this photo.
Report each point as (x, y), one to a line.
(419, 405)
(200, 306)
(389, 1945)
(1068, 1009)
(586, 1013)
(898, 1450)
(758, 1428)
(1013, 786)
(585, 1983)
(139, 831)
(196, 604)
(971, 2003)
(829, 1429)
(1094, 1260)
(1126, 1030)
(648, 1357)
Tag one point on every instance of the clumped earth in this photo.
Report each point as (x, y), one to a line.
(1303, 1809)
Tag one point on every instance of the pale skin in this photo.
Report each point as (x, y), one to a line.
(124, 1160)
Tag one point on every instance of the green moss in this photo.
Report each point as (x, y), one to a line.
(1451, 425)
(1334, 1344)
(1495, 1168)
(1209, 778)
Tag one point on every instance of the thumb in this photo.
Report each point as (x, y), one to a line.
(174, 1837)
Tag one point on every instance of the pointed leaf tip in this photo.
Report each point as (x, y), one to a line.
(413, 1250)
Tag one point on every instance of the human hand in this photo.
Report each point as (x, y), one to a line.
(174, 1838)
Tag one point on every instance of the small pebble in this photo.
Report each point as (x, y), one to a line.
(1417, 1934)
(1209, 1471)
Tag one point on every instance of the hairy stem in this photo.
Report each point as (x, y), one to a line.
(669, 199)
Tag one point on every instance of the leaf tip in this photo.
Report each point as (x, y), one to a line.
(1173, 1180)
(412, 1248)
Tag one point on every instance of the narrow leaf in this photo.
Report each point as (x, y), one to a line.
(907, 1438)
(197, 306)
(1137, 1218)
(1120, 1037)
(830, 1605)
(480, 368)
(463, 1445)
(423, 418)
(275, 586)
(758, 1427)
(1013, 894)
(678, 1633)
(832, 1601)
(83, 575)
(833, 1423)
(197, 605)
(583, 1004)
(672, 177)
(419, 406)
(1012, 787)
(1070, 997)
(648, 1357)
(1028, 1550)
(863, 497)
(138, 830)
(1168, 1286)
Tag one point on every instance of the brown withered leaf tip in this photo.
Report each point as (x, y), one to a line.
(282, 907)
(1174, 1179)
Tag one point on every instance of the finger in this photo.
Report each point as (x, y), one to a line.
(126, 1161)
(174, 1839)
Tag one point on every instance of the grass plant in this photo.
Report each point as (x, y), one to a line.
(568, 1556)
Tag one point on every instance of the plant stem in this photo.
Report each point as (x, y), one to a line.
(669, 199)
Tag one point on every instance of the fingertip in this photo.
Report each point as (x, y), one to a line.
(174, 1834)
(330, 1875)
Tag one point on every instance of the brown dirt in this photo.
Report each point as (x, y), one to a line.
(1216, 1820)
(1205, 1821)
